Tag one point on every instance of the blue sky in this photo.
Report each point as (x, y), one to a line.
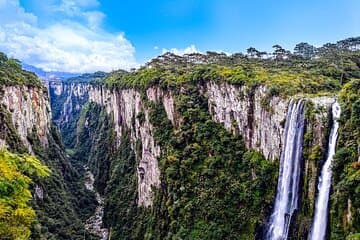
(89, 35)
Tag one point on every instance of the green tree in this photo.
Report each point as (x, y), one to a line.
(304, 50)
(16, 172)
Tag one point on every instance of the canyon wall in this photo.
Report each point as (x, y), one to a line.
(29, 110)
(71, 97)
(125, 106)
(67, 101)
(251, 112)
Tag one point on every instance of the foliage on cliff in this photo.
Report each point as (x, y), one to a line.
(287, 75)
(345, 201)
(11, 73)
(95, 143)
(16, 173)
(212, 187)
(66, 204)
(86, 77)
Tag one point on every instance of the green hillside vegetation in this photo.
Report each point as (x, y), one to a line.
(286, 73)
(65, 205)
(346, 167)
(16, 176)
(86, 77)
(11, 73)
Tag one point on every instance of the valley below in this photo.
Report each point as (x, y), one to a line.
(200, 146)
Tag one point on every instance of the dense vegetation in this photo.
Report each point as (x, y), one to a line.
(86, 77)
(212, 187)
(285, 73)
(345, 201)
(16, 175)
(95, 145)
(64, 205)
(11, 73)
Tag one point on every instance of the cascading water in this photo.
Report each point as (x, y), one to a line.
(289, 174)
(318, 230)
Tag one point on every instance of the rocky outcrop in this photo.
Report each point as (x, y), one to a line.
(30, 112)
(125, 107)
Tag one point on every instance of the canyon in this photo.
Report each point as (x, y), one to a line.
(196, 158)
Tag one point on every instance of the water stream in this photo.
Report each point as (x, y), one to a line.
(94, 223)
(289, 173)
(318, 229)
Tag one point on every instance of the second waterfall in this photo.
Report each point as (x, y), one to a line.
(319, 227)
(289, 174)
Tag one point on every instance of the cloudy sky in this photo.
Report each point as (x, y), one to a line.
(90, 35)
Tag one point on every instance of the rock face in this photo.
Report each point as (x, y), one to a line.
(259, 118)
(125, 107)
(30, 110)
(247, 111)
(67, 100)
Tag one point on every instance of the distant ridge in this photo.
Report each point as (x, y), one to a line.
(51, 75)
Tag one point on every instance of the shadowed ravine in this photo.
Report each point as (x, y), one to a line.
(94, 223)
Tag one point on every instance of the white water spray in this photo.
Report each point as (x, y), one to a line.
(318, 230)
(289, 174)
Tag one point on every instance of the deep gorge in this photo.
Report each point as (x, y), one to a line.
(197, 157)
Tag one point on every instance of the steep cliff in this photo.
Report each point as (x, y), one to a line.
(247, 111)
(129, 111)
(67, 100)
(345, 201)
(181, 150)
(25, 120)
(259, 118)
(29, 111)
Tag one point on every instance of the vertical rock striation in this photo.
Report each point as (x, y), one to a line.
(125, 107)
(69, 98)
(248, 111)
(29, 110)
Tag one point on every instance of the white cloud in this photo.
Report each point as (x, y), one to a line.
(65, 46)
(180, 52)
(93, 18)
(10, 12)
(82, 9)
(82, 3)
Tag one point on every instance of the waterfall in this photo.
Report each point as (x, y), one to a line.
(318, 229)
(289, 173)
